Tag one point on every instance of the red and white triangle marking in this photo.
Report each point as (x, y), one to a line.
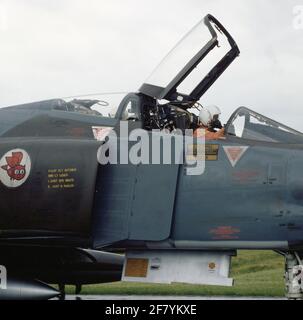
(235, 153)
(100, 133)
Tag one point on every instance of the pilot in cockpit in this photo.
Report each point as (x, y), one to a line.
(209, 121)
(215, 113)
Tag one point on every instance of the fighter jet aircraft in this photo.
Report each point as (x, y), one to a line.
(68, 219)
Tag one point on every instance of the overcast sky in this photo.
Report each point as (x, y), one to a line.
(58, 48)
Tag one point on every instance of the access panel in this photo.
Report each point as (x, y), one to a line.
(134, 202)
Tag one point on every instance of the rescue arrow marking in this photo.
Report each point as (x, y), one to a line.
(234, 154)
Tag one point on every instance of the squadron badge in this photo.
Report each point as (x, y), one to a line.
(15, 167)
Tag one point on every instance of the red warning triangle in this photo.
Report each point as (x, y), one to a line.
(234, 153)
(100, 133)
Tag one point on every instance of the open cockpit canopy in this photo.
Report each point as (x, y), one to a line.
(189, 67)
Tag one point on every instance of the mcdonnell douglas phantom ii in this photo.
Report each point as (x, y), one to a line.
(66, 219)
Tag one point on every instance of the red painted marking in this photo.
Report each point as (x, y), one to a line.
(244, 176)
(225, 233)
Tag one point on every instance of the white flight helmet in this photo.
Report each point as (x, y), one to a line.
(214, 111)
(205, 117)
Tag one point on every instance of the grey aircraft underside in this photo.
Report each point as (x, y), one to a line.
(66, 219)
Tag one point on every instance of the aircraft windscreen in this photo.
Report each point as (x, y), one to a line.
(250, 125)
(103, 105)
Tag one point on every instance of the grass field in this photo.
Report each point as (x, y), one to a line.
(256, 273)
